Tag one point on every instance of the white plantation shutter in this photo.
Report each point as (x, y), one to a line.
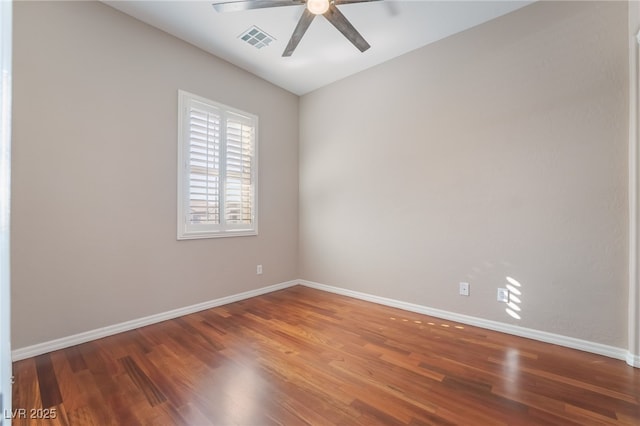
(239, 165)
(204, 165)
(217, 170)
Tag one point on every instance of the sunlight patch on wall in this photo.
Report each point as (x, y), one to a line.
(513, 308)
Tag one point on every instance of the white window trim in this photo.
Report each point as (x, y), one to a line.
(209, 231)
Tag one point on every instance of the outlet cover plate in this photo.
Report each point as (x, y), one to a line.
(503, 295)
(464, 289)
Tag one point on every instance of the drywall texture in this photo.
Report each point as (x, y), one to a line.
(498, 152)
(94, 174)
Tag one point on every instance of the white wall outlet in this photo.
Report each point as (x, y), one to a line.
(464, 289)
(503, 295)
(259, 270)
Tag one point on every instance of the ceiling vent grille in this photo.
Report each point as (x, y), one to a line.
(256, 37)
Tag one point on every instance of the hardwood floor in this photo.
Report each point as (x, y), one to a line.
(302, 356)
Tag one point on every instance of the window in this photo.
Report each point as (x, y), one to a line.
(217, 162)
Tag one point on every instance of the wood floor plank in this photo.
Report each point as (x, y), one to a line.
(71, 392)
(306, 357)
(75, 359)
(49, 389)
(142, 381)
(26, 389)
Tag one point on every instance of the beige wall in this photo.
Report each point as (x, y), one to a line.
(94, 174)
(501, 151)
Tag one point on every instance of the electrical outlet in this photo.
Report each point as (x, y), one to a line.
(503, 295)
(259, 270)
(464, 289)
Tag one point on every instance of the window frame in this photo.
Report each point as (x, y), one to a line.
(186, 231)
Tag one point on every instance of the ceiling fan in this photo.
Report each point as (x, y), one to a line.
(326, 8)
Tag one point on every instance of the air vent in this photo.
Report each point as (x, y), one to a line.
(256, 37)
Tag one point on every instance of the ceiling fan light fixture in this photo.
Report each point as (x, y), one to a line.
(318, 7)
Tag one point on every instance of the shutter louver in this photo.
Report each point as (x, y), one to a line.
(239, 164)
(204, 167)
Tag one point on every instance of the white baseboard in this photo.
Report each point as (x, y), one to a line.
(543, 336)
(76, 339)
(556, 339)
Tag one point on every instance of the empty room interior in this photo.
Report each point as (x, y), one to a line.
(263, 216)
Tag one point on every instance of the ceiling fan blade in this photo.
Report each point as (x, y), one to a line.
(301, 28)
(354, 1)
(339, 21)
(239, 6)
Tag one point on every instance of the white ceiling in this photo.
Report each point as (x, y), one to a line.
(324, 55)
